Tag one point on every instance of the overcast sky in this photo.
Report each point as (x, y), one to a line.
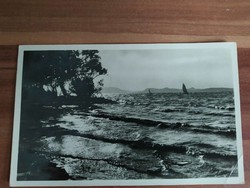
(140, 69)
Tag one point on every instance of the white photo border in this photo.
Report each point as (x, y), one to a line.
(192, 181)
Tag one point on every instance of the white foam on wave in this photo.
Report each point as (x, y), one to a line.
(80, 123)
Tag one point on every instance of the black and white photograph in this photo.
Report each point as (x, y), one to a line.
(127, 114)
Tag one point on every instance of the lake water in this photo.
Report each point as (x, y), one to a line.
(140, 136)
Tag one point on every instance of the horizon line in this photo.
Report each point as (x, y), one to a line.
(168, 88)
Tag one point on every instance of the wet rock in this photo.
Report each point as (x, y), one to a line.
(56, 172)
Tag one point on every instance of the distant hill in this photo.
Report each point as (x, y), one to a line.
(113, 90)
(193, 90)
(190, 90)
(164, 90)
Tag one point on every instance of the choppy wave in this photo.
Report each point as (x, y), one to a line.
(162, 124)
(178, 148)
(141, 137)
(192, 149)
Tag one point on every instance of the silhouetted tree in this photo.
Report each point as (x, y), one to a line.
(82, 84)
(71, 71)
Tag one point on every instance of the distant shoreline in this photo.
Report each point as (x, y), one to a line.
(165, 90)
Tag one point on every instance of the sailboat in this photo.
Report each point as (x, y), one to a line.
(184, 89)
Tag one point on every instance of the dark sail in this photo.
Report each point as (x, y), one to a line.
(184, 89)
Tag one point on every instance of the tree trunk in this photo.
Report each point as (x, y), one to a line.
(65, 94)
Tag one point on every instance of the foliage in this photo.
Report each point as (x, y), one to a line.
(71, 71)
